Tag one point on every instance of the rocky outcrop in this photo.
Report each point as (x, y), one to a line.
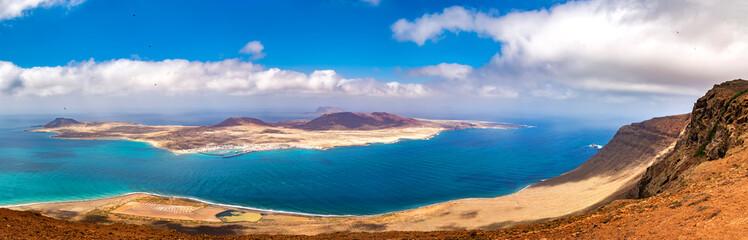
(61, 122)
(718, 124)
(357, 121)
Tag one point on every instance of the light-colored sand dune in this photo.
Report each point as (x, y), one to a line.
(177, 212)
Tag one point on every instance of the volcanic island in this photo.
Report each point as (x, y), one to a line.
(239, 135)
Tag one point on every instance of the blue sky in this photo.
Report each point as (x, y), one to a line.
(351, 37)
(501, 57)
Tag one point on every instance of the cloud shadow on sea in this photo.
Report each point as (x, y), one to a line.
(54, 155)
(14, 165)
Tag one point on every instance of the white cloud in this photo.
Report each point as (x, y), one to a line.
(372, 2)
(667, 47)
(124, 77)
(253, 48)
(496, 91)
(16, 8)
(430, 26)
(451, 71)
(553, 92)
(457, 80)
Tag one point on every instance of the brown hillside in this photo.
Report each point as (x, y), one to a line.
(359, 121)
(632, 146)
(60, 122)
(240, 121)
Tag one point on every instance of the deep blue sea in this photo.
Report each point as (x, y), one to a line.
(360, 180)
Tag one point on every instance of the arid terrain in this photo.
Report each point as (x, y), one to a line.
(251, 134)
(677, 177)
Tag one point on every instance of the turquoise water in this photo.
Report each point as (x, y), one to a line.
(358, 180)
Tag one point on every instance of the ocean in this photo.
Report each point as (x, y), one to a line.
(359, 180)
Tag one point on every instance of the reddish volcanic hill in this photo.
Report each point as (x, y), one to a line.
(358, 121)
(60, 122)
(239, 121)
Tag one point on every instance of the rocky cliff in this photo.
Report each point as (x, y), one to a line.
(718, 124)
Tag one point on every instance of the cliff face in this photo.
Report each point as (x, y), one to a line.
(718, 124)
(633, 145)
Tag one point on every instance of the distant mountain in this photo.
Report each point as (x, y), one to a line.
(239, 121)
(357, 121)
(326, 109)
(61, 122)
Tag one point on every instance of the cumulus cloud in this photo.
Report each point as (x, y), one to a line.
(452, 71)
(181, 77)
(253, 48)
(457, 80)
(16, 8)
(667, 47)
(431, 26)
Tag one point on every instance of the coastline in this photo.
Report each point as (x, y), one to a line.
(192, 198)
(253, 135)
(261, 147)
(598, 181)
(419, 218)
(250, 208)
